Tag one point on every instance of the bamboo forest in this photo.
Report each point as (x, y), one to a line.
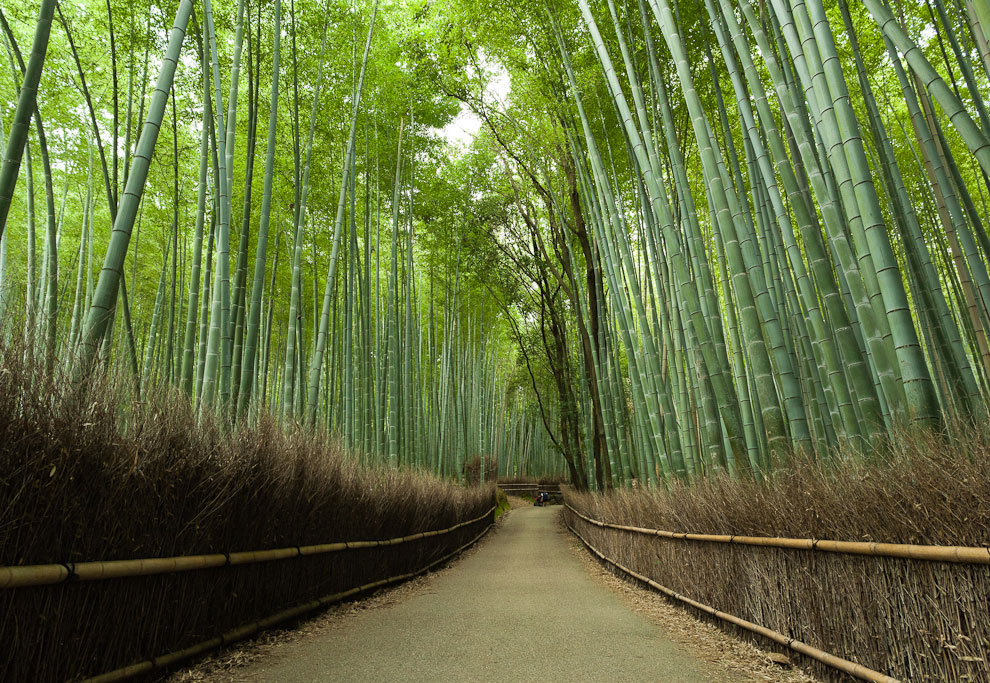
(282, 275)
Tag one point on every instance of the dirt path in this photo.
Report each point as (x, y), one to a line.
(521, 607)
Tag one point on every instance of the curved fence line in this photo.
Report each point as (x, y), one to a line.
(49, 574)
(247, 630)
(938, 553)
(857, 670)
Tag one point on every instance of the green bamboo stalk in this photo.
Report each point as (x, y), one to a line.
(189, 340)
(976, 140)
(105, 294)
(219, 346)
(26, 107)
(247, 378)
(316, 362)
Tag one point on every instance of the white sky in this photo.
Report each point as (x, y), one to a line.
(463, 128)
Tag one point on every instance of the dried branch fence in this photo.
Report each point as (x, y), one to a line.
(48, 574)
(876, 611)
(247, 630)
(239, 529)
(283, 575)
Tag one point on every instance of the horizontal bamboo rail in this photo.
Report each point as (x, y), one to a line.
(513, 489)
(857, 670)
(48, 574)
(937, 553)
(247, 630)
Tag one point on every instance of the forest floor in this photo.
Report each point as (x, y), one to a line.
(527, 603)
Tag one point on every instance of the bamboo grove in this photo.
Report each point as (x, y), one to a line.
(243, 295)
(824, 290)
(694, 236)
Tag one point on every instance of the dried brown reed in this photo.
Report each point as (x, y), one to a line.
(87, 474)
(915, 620)
(472, 469)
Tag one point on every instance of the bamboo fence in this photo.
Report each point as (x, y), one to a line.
(516, 489)
(852, 668)
(936, 553)
(247, 630)
(49, 574)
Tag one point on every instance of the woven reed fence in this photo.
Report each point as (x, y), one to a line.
(143, 615)
(239, 528)
(874, 605)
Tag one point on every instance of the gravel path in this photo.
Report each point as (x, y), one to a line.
(523, 607)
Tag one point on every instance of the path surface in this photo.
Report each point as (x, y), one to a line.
(521, 608)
